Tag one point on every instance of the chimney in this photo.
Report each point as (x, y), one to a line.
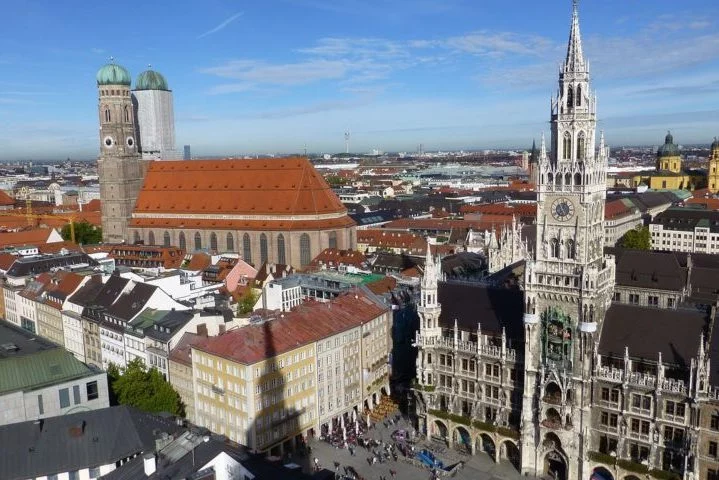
(202, 330)
(150, 463)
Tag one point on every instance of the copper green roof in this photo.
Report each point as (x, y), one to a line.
(669, 149)
(151, 80)
(113, 74)
(48, 367)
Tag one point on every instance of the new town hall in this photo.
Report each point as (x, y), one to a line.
(570, 374)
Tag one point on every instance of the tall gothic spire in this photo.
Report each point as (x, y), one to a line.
(575, 56)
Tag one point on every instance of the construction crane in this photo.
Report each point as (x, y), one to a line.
(25, 193)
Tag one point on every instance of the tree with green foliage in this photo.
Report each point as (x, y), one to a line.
(335, 180)
(247, 303)
(85, 233)
(143, 388)
(637, 239)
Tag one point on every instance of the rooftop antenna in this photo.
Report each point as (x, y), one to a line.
(347, 141)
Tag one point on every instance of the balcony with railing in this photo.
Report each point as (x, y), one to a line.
(466, 347)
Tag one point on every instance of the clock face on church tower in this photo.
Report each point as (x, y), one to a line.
(562, 209)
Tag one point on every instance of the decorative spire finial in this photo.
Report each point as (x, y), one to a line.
(112, 59)
(575, 56)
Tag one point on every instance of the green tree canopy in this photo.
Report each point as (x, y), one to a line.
(144, 389)
(638, 239)
(85, 233)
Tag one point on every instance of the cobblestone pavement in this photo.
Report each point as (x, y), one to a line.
(477, 467)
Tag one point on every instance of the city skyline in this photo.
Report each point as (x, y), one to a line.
(449, 75)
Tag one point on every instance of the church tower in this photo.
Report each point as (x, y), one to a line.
(713, 170)
(568, 282)
(120, 166)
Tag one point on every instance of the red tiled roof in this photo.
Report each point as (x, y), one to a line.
(281, 186)
(380, 287)
(438, 224)
(263, 225)
(199, 261)
(36, 236)
(616, 208)
(92, 206)
(148, 255)
(520, 210)
(6, 200)
(6, 261)
(307, 323)
(333, 256)
(389, 239)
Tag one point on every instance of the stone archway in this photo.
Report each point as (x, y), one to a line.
(601, 473)
(552, 393)
(486, 444)
(462, 440)
(555, 466)
(508, 451)
(439, 429)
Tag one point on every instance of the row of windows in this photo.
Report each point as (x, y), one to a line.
(305, 245)
(91, 392)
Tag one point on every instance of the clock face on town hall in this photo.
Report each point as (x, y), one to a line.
(562, 209)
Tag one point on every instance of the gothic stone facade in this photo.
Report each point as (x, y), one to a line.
(554, 376)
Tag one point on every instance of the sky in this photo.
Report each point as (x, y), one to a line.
(282, 76)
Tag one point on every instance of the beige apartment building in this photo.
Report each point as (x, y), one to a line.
(260, 384)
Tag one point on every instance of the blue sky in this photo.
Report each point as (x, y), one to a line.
(276, 75)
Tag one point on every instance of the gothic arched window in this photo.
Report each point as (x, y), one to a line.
(333, 240)
(580, 146)
(550, 178)
(281, 249)
(151, 238)
(230, 243)
(567, 150)
(198, 241)
(579, 95)
(577, 178)
(263, 248)
(166, 239)
(213, 242)
(137, 237)
(183, 242)
(246, 248)
(127, 115)
(571, 249)
(570, 98)
(305, 250)
(567, 179)
(554, 246)
(107, 114)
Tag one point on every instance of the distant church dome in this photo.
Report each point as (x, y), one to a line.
(669, 149)
(113, 74)
(151, 80)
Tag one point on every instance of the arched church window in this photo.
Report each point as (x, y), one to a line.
(183, 242)
(550, 178)
(263, 248)
(567, 150)
(151, 238)
(281, 249)
(554, 246)
(577, 178)
(571, 249)
(333, 240)
(127, 115)
(230, 242)
(567, 179)
(579, 95)
(246, 248)
(198, 241)
(213, 242)
(570, 97)
(305, 251)
(107, 114)
(137, 237)
(580, 146)
(166, 239)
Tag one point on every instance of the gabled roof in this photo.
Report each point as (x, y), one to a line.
(77, 441)
(280, 186)
(646, 331)
(307, 323)
(647, 269)
(132, 302)
(86, 295)
(34, 236)
(494, 308)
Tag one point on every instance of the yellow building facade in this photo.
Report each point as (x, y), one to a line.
(713, 169)
(669, 174)
(262, 405)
